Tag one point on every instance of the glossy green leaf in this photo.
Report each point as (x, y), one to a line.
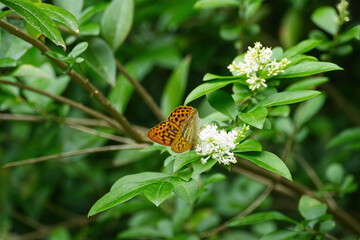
(200, 168)
(308, 109)
(249, 145)
(308, 83)
(7, 62)
(310, 208)
(89, 29)
(144, 177)
(216, 3)
(260, 217)
(60, 15)
(158, 192)
(302, 47)
(126, 188)
(223, 102)
(326, 19)
(307, 68)
(210, 76)
(185, 158)
(116, 22)
(207, 87)
(175, 87)
(346, 136)
(255, 117)
(74, 7)
(100, 58)
(185, 190)
(37, 18)
(288, 98)
(268, 161)
(78, 49)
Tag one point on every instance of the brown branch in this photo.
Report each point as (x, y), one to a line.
(84, 83)
(67, 101)
(142, 92)
(74, 153)
(244, 213)
(295, 190)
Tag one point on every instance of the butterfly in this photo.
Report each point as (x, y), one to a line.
(180, 131)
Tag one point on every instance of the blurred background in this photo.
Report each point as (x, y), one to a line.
(50, 200)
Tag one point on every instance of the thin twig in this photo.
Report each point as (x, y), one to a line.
(142, 92)
(74, 153)
(68, 101)
(83, 82)
(102, 134)
(244, 213)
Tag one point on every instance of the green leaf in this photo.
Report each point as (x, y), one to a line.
(260, 217)
(326, 19)
(352, 33)
(200, 168)
(175, 87)
(327, 226)
(207, 87)
(346, 136)
(74, 7)
(90, 11)
(37, 18)
(288, 98)
(335, 173)
(255, 117)
(214, 178)
(5, 13)
(215, 3)
(100, 58)
(60, 15)
(223, 102)
(145, 177)
(249, 145)
(185, 158)
(307, 68)
(268, 161)
(27, 70)
(280, 111)
(89, 29)
(7, 62)
(126, 188)
(158, 192)
(308, 109)
(186, 190)
(302, 47)
(311, 208)
(116, 22)
(78, 49)
(210, 76)
(308, 83)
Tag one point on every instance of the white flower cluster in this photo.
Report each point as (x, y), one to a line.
(257, 64)
(218, 144)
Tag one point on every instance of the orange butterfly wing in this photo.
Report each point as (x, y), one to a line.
(180, 131)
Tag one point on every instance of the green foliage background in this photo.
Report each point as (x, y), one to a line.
(169, 45)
